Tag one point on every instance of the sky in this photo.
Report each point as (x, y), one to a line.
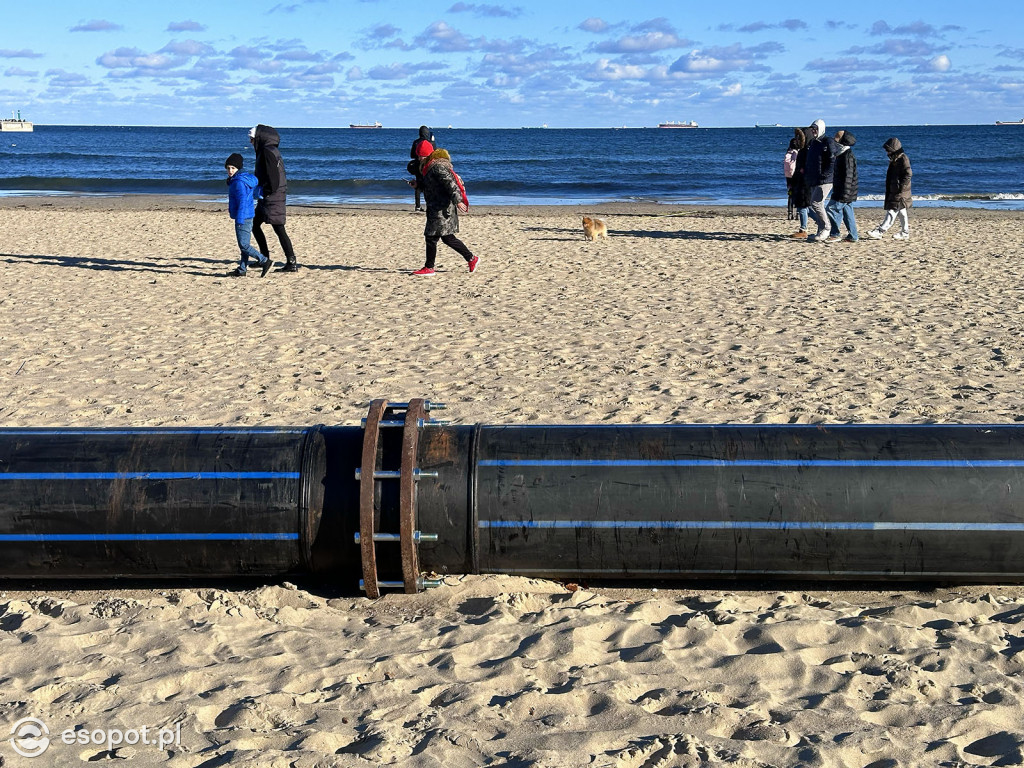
(564, 64)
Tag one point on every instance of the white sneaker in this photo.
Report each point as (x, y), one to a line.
(833, 239)
(874, 234)
(901, 236)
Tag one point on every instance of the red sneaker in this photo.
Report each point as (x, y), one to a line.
(473, 263)
(424, 272)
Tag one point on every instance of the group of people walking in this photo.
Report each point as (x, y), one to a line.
(260, 198)
(821, 177)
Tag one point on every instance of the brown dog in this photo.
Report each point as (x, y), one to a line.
(594, 228)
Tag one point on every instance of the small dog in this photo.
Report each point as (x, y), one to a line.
(594, 228)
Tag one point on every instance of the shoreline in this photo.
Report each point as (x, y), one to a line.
(157, 202)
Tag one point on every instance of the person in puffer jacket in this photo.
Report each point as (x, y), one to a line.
(271, 208)
(897, 192)
(243, 189)
(844, 189)
(444, 197)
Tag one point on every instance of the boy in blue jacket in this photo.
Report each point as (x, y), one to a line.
(243, 190)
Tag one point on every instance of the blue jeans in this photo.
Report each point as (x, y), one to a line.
(841, 213)
(243, 233)
(803, 218)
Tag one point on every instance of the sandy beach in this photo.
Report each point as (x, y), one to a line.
(119, 312)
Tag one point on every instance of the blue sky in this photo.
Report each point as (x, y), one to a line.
(477, 64)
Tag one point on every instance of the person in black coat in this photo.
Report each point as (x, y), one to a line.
(798, 193)
(271, 208)
(421, 148)
(844, 189)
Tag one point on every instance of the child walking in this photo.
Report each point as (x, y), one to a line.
(243, 189)
(444, 196)
(897, 192)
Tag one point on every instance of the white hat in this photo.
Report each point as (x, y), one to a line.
(252, 133)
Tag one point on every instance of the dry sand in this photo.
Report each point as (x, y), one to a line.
(115, 312)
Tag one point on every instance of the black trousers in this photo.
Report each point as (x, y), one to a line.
(282, 236)
(451, 241)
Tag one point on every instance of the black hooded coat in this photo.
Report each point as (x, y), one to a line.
(897, 177)
(270, 174)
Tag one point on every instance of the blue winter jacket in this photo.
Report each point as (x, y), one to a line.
(243, 192)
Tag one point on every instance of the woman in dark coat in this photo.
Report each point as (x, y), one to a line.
(270, 209)
(897, 192)
(444, 198)
(797, 187)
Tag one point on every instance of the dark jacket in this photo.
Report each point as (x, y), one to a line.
(897, 177)
(821, 158)
(270, 173)
(844, 182)
(441, 194)
(798, 186)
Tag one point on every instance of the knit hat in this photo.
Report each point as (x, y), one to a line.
(236, 160)
(848, 139)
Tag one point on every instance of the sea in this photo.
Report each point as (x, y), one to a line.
(978, 166)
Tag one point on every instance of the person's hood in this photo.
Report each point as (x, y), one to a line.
(265, 136)
(425, 132)
(435, 156)
(820, 125)
(848, 139)
(893, 146)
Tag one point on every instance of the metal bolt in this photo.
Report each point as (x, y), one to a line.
(416, 536)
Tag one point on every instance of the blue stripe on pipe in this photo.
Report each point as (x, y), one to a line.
(751, 525)
(909, 463)
(149, 537)
(149, 475)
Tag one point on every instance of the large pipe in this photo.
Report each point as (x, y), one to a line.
(573, 502)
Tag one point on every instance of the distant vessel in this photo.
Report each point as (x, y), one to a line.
(690, 124)
(16, 124)
(366, 125)
(1010, 122)
(767, 125)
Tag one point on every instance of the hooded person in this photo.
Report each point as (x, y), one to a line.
(897, 192)
(844, 189)
(798, 192)
(271, 208)
(445, 197)
(818, 175)
(421, 148)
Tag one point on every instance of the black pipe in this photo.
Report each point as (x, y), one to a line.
(164, 501)
(917, 502)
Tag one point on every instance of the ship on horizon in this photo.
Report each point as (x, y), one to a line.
(376, 124)
(1010, 122)
(673, 124)
(16, 124)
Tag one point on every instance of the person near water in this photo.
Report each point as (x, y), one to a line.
(271, 208)
(897, 192)
(844, 190)
(421, 148)
(793, 169)
(243, 189)
(445, 197)
(821, 156)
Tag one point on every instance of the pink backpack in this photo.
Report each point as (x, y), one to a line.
(789, 164)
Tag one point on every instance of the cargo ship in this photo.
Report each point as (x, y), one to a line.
(365, 125)
(690, 124)
(1010, 122)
